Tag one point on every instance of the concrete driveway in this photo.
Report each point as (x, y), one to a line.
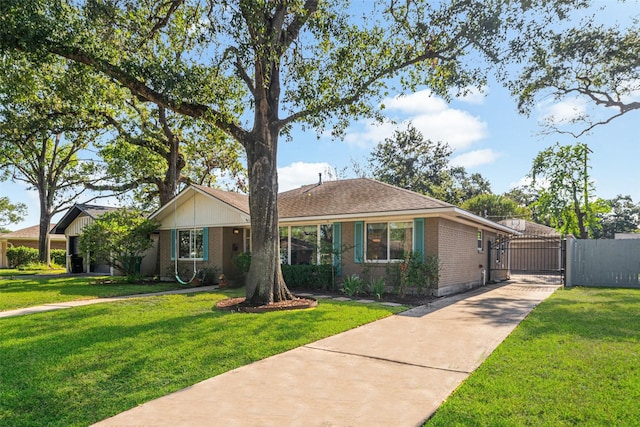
(392, 372)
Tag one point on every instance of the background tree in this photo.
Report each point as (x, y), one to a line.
(155, 150)
(11, 213)
(407, 160)
(309, 62)
(624, 217)
(45, 124)
(594, 63)
(496, 207)
(118, 238)
(565, 190)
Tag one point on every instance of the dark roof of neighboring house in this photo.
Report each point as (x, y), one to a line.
(28, 233)
(93, 211)
(529, 228)
(352, 196)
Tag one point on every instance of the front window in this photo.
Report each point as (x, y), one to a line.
(388, 241)
(304, 241)
(190, 244)
(300, 244)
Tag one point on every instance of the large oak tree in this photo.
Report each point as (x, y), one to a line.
(318, 63)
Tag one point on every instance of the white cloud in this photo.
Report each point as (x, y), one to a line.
(431, 115)
(475, 158)
(473, 96)
(298, 174)
(563, 112)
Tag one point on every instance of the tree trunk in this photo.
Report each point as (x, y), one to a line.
(44, 247)
(265, 283)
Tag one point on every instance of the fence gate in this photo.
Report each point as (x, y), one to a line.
(540, 257)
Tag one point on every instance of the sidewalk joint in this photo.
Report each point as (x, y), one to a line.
(384, 359)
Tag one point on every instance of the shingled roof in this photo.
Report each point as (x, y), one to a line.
(529, 228)
(28, 233)
(352, 196)
(93, 211)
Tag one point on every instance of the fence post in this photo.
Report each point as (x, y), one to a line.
(568, 261)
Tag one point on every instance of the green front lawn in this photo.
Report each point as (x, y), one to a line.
(574, 361)
(79, 366)
(20, 292)
(9, 272)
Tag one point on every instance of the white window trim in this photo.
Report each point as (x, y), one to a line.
(178, 243)
(318, 241)
(366, 242)
(480, 241)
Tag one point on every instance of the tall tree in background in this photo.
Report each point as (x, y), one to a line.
(312, 62)
(11, 213)
(45, 123)
(155, 150)
(565, 189)
(594, 63)
(409, 161)
(624, 217)
(496, 207)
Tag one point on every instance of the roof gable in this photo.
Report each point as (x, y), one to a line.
(75, 211)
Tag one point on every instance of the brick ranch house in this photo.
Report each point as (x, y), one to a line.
(28, 237)
(368, 223)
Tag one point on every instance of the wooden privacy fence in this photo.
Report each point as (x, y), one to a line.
(603, 263)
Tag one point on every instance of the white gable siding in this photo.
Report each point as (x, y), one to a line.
(75, 228)
(209, 212)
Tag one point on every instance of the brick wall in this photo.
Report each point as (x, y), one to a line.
(461, 262)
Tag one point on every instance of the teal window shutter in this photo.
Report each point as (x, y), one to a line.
(337, 247)
(173, 244)
(205, 243)
(358, 250)
(418, 237)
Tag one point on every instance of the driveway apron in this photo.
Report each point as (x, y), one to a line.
(395, 371)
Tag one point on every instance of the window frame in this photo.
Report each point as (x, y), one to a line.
(388, 228)
(319, 256)
(191, 232)
(480, 241)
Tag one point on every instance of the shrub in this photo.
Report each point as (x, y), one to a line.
(308, 276)
(21, 255)
(209, 276)
(59, 257)
(352, 285)
(376, 287)
(416, 273)
(242, 261)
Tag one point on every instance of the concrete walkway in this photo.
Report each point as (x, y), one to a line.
(393, 372)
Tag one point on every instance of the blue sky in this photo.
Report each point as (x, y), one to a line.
(485, 130)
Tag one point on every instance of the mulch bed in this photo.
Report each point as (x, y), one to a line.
(239, 304)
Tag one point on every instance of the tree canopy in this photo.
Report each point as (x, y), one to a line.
(409, 161)
(11, 213)
(496, 207)
(593, 63)
(566, 191)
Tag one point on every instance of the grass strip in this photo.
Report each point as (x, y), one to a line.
(78, 366)
(28, 292)
(575, 360)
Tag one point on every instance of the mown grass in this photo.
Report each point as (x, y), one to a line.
(9, 272)
(574, 361)
(81, 365)
(20, 292)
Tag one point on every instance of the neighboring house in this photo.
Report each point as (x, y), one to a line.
(71, 225)
(28, 237)
(367, 224)
(536, 249)
(626, 236)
